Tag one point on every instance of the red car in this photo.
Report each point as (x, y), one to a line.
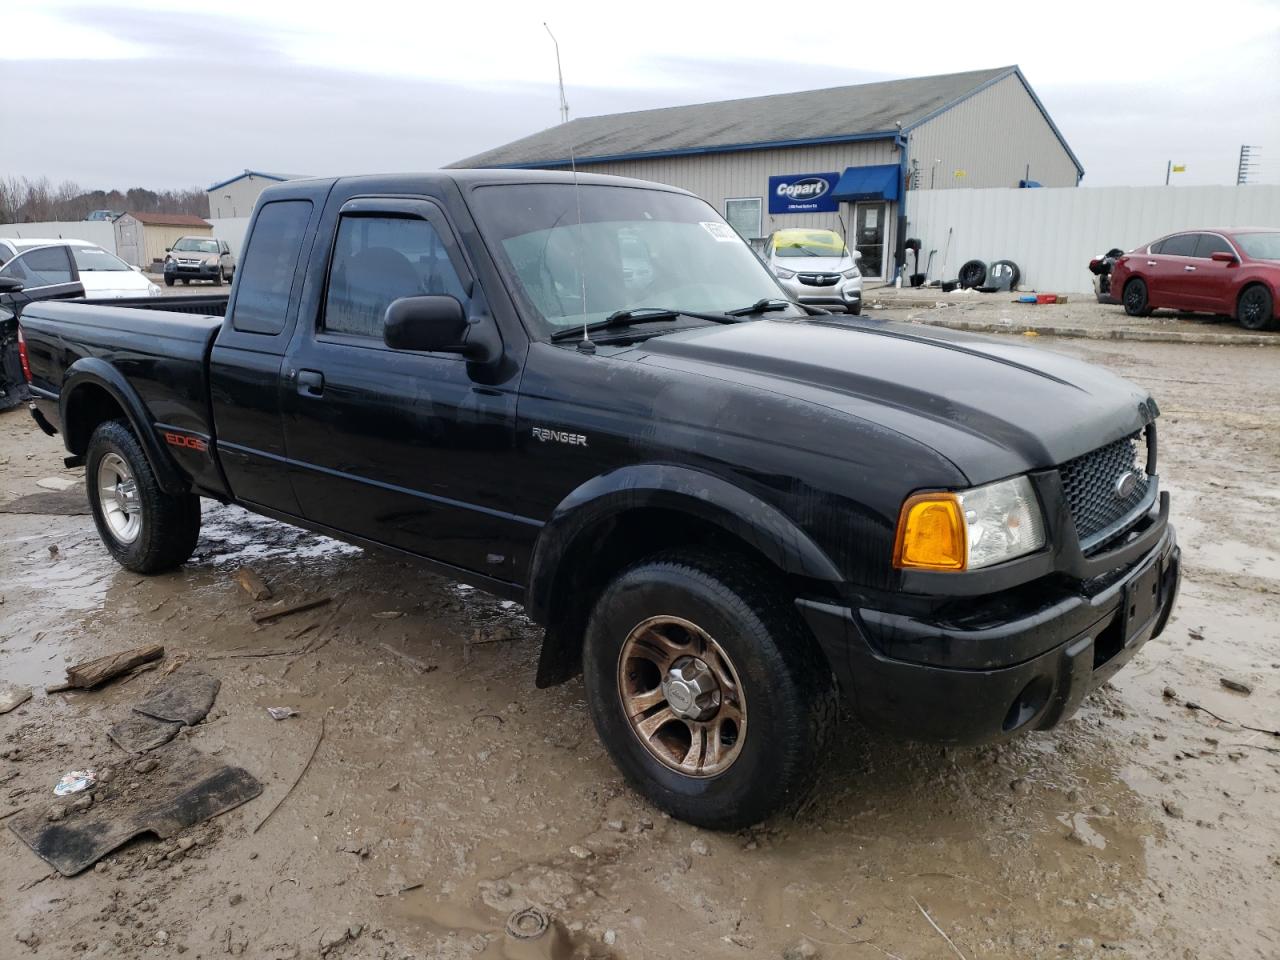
(1234, 272)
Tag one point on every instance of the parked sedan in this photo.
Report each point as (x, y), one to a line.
(1235, 273)
(102, 274)
(199, 258)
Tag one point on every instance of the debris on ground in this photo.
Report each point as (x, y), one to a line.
(1239, 686)
(1173, 809)
(272, 614)
(282, 713)
(252, 584)
(94, 673)
(528, 924)
(12, 696)
(138, 733)
(74, 782)
(186, 698)
(184, 788)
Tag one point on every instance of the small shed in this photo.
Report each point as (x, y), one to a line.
(142, 238)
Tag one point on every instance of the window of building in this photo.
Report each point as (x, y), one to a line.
(380, 259)
(270, 262)
(743, 214)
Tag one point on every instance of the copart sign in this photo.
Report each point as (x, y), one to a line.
(803, 193)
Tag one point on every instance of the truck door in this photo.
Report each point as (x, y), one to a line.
(398, 447)
(246, 361)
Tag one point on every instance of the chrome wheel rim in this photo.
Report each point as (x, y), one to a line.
(118, 497)
(682, 697)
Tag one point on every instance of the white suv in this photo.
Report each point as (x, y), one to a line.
(814, 266)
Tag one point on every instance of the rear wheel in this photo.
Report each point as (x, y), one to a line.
(1136, 303)
(1255, 308)
(168, 281)
(706, 689)
(144, 528)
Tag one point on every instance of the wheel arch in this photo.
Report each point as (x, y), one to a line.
(94, 392)
(618, 518)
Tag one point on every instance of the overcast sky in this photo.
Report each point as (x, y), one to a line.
(167, 94)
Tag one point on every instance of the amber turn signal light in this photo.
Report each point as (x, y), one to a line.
(931, 533)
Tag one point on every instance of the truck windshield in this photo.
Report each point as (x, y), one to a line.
(195, 245)
(633, 248)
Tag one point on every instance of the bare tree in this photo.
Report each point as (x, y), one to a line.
(26, 200)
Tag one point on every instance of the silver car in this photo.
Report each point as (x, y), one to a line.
(199, 258)
(814, 266)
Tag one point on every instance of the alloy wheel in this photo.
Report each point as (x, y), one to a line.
(118, 497)
(682, 696)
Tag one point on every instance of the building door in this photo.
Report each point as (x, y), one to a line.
(128, 240)
(869, 221)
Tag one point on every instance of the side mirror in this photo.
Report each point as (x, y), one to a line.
(10, 284)
(168, 249)
(1224, 256)
(431, 324)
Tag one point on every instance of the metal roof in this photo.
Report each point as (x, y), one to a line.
(169, 219)
(256, 173)
(866, 111)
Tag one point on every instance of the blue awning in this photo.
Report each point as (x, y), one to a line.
(868, 183)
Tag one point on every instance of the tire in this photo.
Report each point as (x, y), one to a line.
(855, 310)
(168, 281)
(728, 611)
(996, 273)
(1255, 310)
(1135, 299)
(145, 529)
(186, 281)
(972, 274)
(217, 279)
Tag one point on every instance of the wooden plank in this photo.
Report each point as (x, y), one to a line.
(93, 673)
(252, 584)
(275, 613)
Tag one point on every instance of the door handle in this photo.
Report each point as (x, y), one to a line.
(310, 383)
(1151, 263)
(1189, 268)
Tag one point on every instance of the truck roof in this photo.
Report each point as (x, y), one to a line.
(431, 180)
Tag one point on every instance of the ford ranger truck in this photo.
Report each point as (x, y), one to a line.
(728, 511)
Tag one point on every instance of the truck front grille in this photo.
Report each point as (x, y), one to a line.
(1091, 485)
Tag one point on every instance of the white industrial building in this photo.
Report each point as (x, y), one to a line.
(840, 158)
(236, 196)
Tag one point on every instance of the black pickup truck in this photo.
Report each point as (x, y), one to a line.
(591, 397)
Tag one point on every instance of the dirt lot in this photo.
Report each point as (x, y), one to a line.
(447, 791)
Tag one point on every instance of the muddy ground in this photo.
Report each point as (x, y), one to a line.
(447, 791)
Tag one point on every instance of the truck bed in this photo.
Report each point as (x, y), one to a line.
(148, 351)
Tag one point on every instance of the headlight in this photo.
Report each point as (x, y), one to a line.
(153, 290)
(783, 274)
(169, 259)
(969, 529)
(850, 274)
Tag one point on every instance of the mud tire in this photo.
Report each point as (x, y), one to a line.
(170, 524)
(790, 694)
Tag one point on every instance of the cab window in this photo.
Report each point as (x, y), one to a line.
(380, 259)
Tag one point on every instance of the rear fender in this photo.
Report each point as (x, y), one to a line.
(93, 371)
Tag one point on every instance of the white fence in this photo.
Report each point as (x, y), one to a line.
(1052, 233)
(101, 232)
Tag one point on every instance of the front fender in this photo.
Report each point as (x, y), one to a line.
(99, 373)
(682, 490)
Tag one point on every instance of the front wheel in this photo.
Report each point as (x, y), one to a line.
(168, 281)
(1255, 309)
(706, 689)
(144, 528)
(854, 308)
(1136, 302)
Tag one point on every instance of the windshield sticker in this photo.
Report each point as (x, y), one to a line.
(721, 231)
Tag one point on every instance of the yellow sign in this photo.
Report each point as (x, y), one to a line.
(1179, 168)
(960, 173)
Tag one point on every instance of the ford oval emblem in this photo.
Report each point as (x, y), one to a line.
(808, 188)
(1125, 484)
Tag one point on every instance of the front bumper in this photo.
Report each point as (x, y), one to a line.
(1080, 640)
(201, 271)
(844, 293)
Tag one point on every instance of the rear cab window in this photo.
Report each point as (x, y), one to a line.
(270, 264)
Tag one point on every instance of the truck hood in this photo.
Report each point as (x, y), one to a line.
(994, 409)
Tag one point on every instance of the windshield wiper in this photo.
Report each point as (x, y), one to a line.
(766, 305)
(625, 318)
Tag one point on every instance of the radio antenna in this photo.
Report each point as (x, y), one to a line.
(584, 345)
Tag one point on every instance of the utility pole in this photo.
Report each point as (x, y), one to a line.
(1248, 162)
